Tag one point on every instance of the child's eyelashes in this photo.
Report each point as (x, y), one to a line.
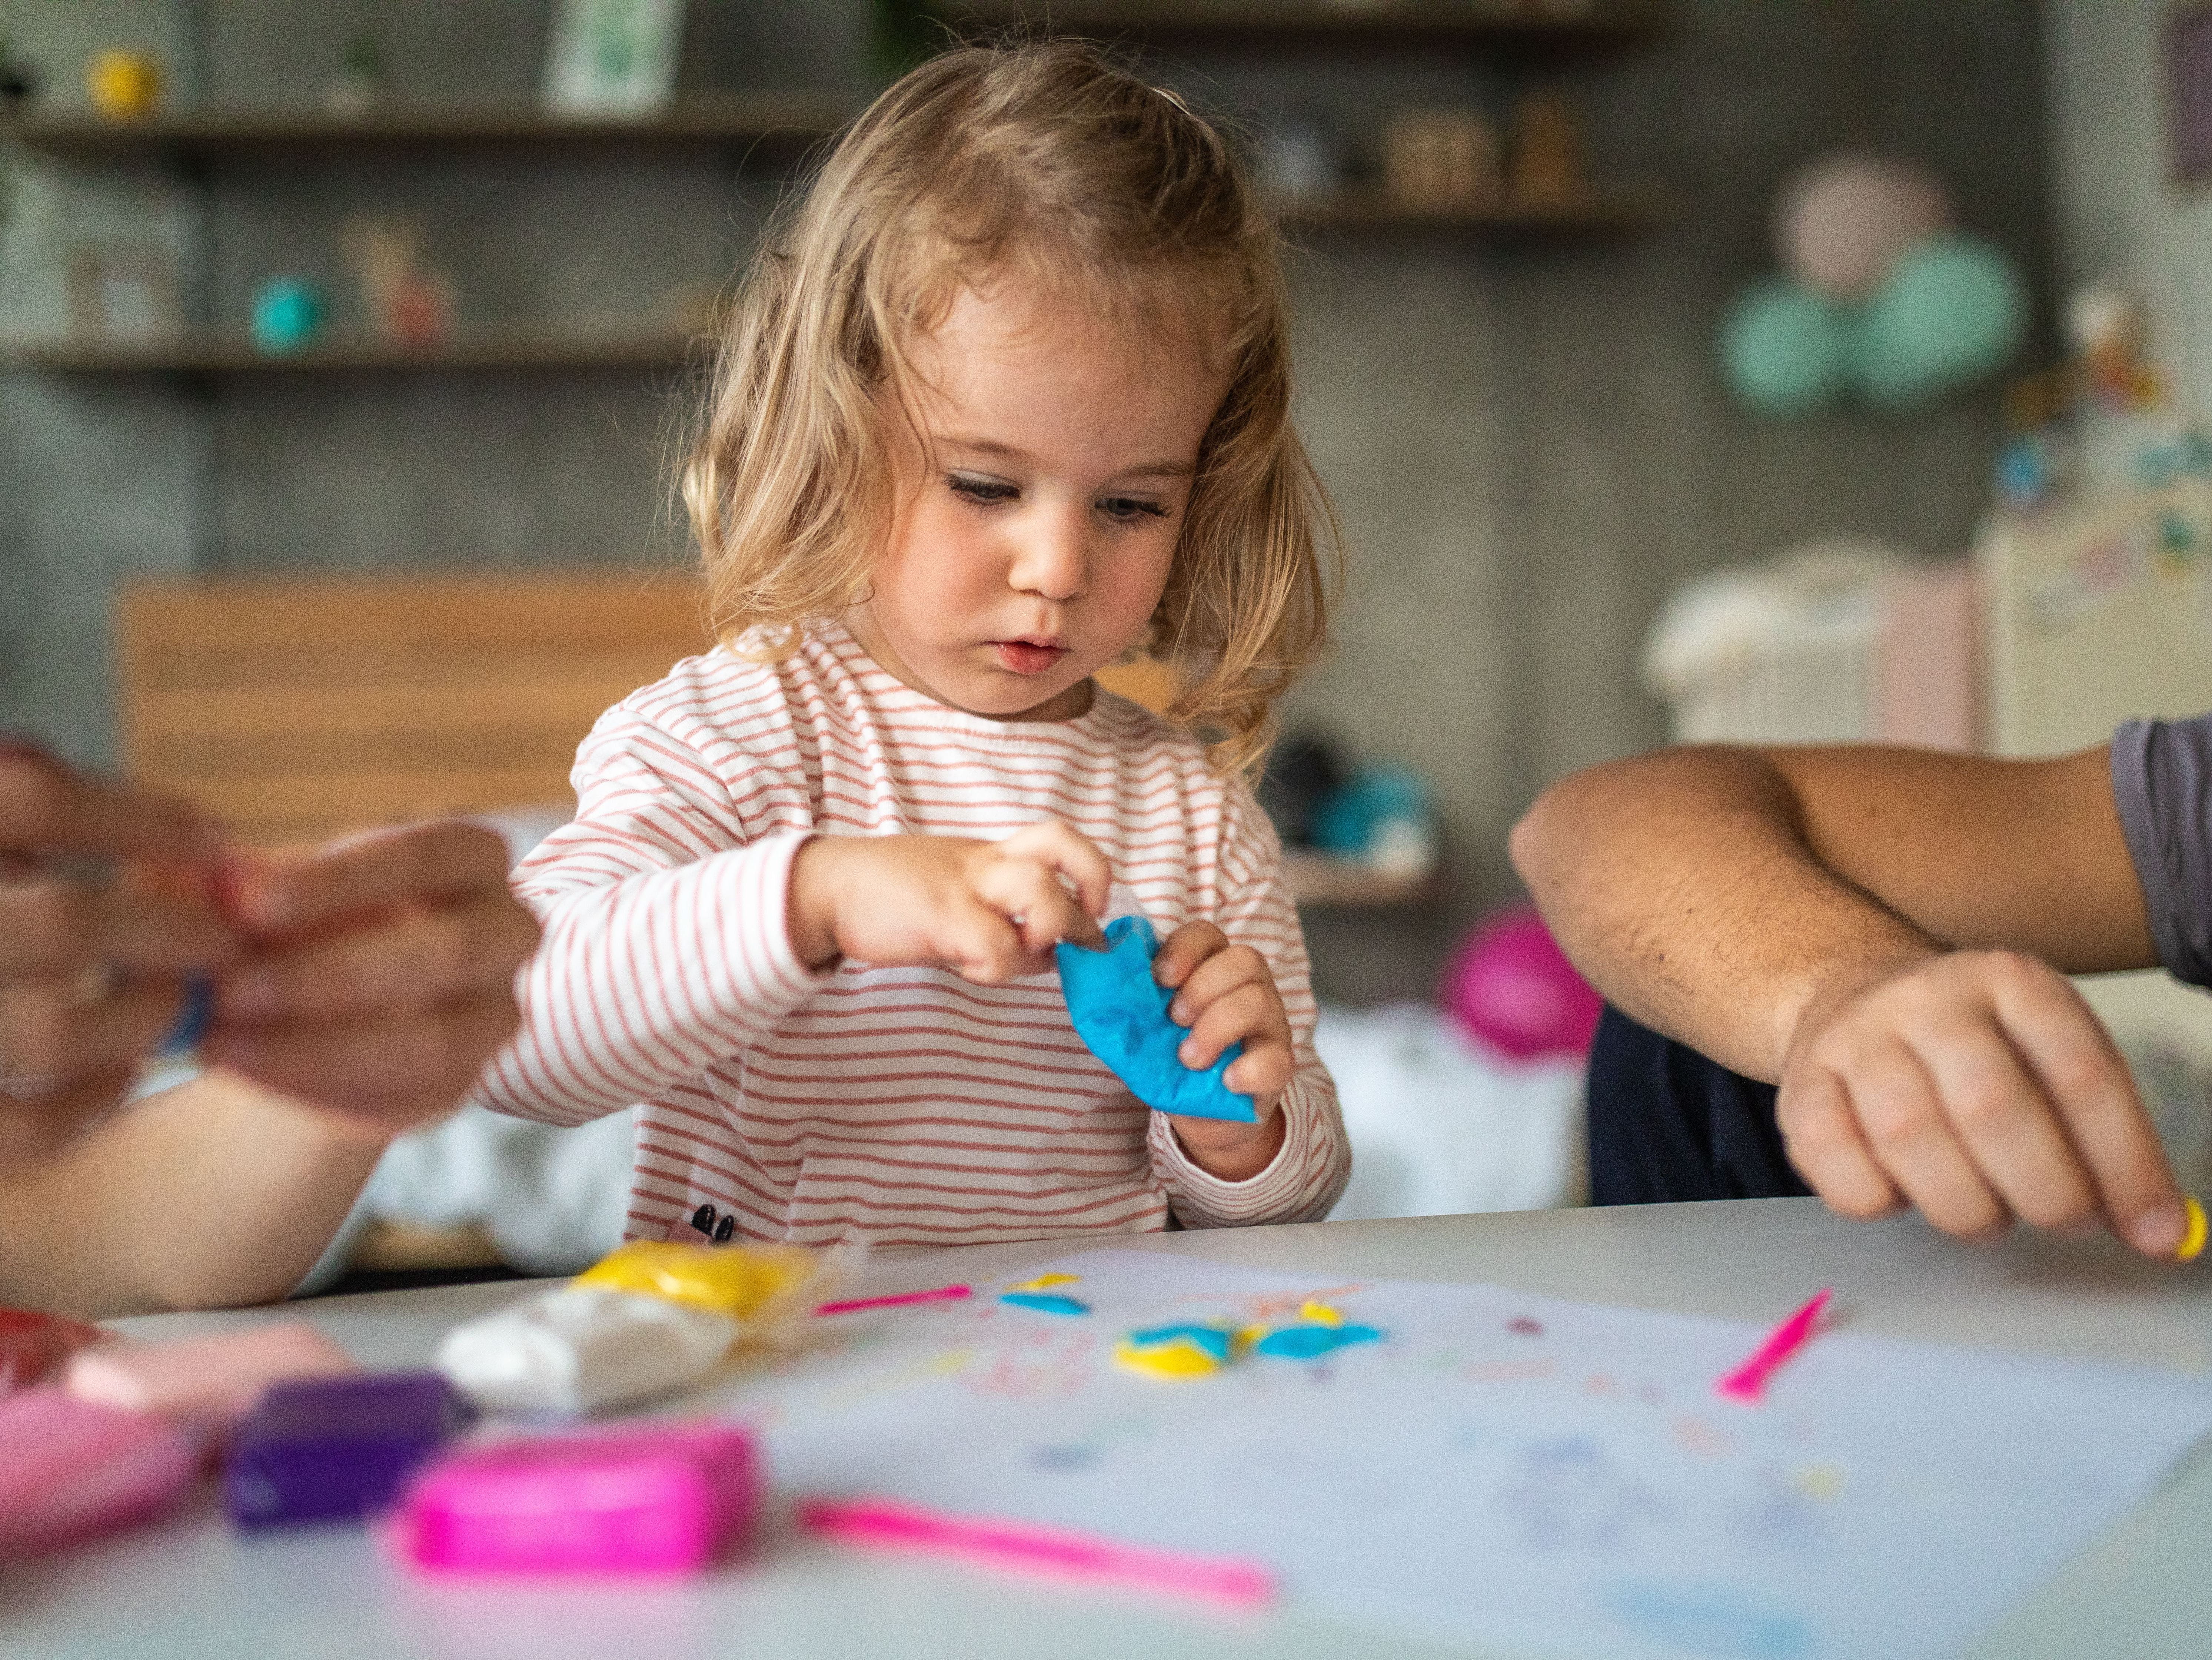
(984, 491)
(995, 492)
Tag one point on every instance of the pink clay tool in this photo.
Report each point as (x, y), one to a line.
(894, 1526)
(854, 1305)
(210, 1382)
(68, 1471)
(662, 1499)
(1748, 1381)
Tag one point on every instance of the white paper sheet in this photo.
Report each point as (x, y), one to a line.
(1549, 1477)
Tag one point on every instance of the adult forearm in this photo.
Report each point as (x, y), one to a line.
(1682, 884)
(216, 1193)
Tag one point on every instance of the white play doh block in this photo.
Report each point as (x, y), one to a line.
(580, 1348)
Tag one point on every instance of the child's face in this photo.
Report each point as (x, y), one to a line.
(1034, 533)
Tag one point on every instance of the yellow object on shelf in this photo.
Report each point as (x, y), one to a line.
(123, 85)
(745, 1282)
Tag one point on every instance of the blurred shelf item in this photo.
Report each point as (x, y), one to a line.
(1324, 880)
(210, 134)
(228, 351)
(1563, 27)
(1603, 210)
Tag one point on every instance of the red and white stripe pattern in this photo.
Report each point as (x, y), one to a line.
(903, 1105)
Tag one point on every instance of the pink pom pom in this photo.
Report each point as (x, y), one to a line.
(1510, 986)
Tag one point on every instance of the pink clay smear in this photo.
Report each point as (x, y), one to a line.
(1748, 1381)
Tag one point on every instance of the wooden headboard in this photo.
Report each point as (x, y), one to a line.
(297, 709)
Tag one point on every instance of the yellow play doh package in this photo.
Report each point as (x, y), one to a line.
(765, 1288)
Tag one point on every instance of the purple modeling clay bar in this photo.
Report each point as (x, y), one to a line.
(336, 1447)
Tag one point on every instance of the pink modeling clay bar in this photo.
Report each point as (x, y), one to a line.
(656, 1499)
(210, 1382)
(68, 1471)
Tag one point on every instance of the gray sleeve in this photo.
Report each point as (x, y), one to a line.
(2162, 782)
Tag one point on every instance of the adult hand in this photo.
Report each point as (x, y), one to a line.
(1977, 1086)
(1226, 995)
(378, 975)
(992, 911)
(92, 970)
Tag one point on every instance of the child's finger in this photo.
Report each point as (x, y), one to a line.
(1184, 950)
(1251, 1014)
(1217, 977)
(1072, 854)
(51, 928)
(981, 944)
(1263, 1071)
(1030, 896)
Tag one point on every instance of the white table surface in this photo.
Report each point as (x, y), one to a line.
(189, 1588)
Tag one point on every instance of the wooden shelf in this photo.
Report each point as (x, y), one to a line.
(283, 134)
(1324, 881)
(1601, 28)
(516, 346)
(1606, 210)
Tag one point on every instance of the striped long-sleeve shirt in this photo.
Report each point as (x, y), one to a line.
(902, 1104)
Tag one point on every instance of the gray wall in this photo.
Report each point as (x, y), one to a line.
(1529, 445)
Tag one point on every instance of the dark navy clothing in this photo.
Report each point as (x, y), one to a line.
(1666, 1123)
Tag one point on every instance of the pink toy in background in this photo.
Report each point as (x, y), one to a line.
(1513, 988)
(68, 1471)
(657, 1500)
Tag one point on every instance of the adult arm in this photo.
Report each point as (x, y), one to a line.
(1883, 933)
(378, 976)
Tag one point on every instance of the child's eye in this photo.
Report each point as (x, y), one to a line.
(984, 490)
(1130, 509)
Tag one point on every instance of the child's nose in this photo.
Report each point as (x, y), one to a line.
(1053, 558)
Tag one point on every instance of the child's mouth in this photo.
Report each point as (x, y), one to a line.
(1027, 656)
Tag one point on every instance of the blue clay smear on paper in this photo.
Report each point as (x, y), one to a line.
(1044, 1302)
(1121, 1013)
(1213, 1339)
(1311, 1342)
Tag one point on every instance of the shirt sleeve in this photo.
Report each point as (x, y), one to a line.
(1307, 1176)
(667, 940)
(2162, 784)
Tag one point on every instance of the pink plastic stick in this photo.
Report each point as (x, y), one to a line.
(942, 1294)
(1079, 1556)
(1748, 1381)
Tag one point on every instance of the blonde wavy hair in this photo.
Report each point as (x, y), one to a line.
(1045, 159)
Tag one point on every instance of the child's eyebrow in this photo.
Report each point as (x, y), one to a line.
(991, 446)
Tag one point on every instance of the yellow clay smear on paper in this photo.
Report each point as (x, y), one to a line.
(1047, 1281)
(2192, 1243)
(1321, 1314)
(1174, 1361)
(737, 1280)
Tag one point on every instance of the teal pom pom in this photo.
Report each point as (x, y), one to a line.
(1786, 350)
(1952, 310)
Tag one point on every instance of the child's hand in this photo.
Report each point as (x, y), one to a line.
(992, 911)
(1226, 994)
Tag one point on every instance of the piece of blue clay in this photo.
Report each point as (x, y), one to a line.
(1044, 1302)
(1121, 1013)
(1216, 1341)
(192, 1020)
(1311, 1342)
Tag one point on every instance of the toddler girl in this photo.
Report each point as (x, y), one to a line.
(1005, 398)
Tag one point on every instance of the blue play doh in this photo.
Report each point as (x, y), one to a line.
(1121, 1013)
(1311, 1342)
(1045, 1302)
